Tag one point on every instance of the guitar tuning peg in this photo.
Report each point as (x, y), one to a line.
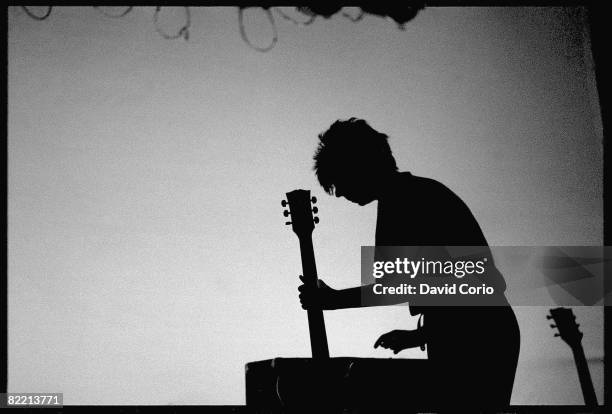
(553, 326)
(315, 210)
(313, 200)
(287, 223)
(284, 203)
(316, 220)
(286, 213)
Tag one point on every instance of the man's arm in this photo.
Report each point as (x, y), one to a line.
(364, 296)
(327, 298)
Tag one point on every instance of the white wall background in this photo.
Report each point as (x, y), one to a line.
(148, 260)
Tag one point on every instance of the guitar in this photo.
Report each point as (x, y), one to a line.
(303, 222)
(565, 321)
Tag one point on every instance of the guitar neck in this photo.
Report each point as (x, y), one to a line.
(590, 399)
(316, 322)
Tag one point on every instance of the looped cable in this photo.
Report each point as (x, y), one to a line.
(183, 31)
(126, 11)
(35, 17)
(246, 38)
(311, 18)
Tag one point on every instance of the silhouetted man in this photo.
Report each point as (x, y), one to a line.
(473, 350)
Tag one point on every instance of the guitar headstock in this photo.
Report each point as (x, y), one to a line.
(301, 211)
(565, 321)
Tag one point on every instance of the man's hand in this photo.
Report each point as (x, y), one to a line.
(398, 340)
(319, 297)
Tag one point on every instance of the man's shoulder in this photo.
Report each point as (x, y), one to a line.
(427, 185)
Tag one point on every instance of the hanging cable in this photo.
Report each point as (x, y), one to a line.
(35, 17)
(354, 19)
(183, 32)
(246, 38)
(400, 14)
(126, 11)
(311, 18)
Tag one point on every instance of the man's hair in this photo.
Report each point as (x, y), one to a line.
(351, 145)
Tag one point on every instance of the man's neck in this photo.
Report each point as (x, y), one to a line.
(387, 185)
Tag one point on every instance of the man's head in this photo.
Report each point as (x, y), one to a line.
(351, 160)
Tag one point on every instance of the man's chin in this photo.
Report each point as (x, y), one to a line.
(359, 202)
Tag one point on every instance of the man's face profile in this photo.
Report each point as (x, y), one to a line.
(355, 188)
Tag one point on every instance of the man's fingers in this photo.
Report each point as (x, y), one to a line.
(380, 341)
(308, 295)
(389, 341)
(306, 300)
